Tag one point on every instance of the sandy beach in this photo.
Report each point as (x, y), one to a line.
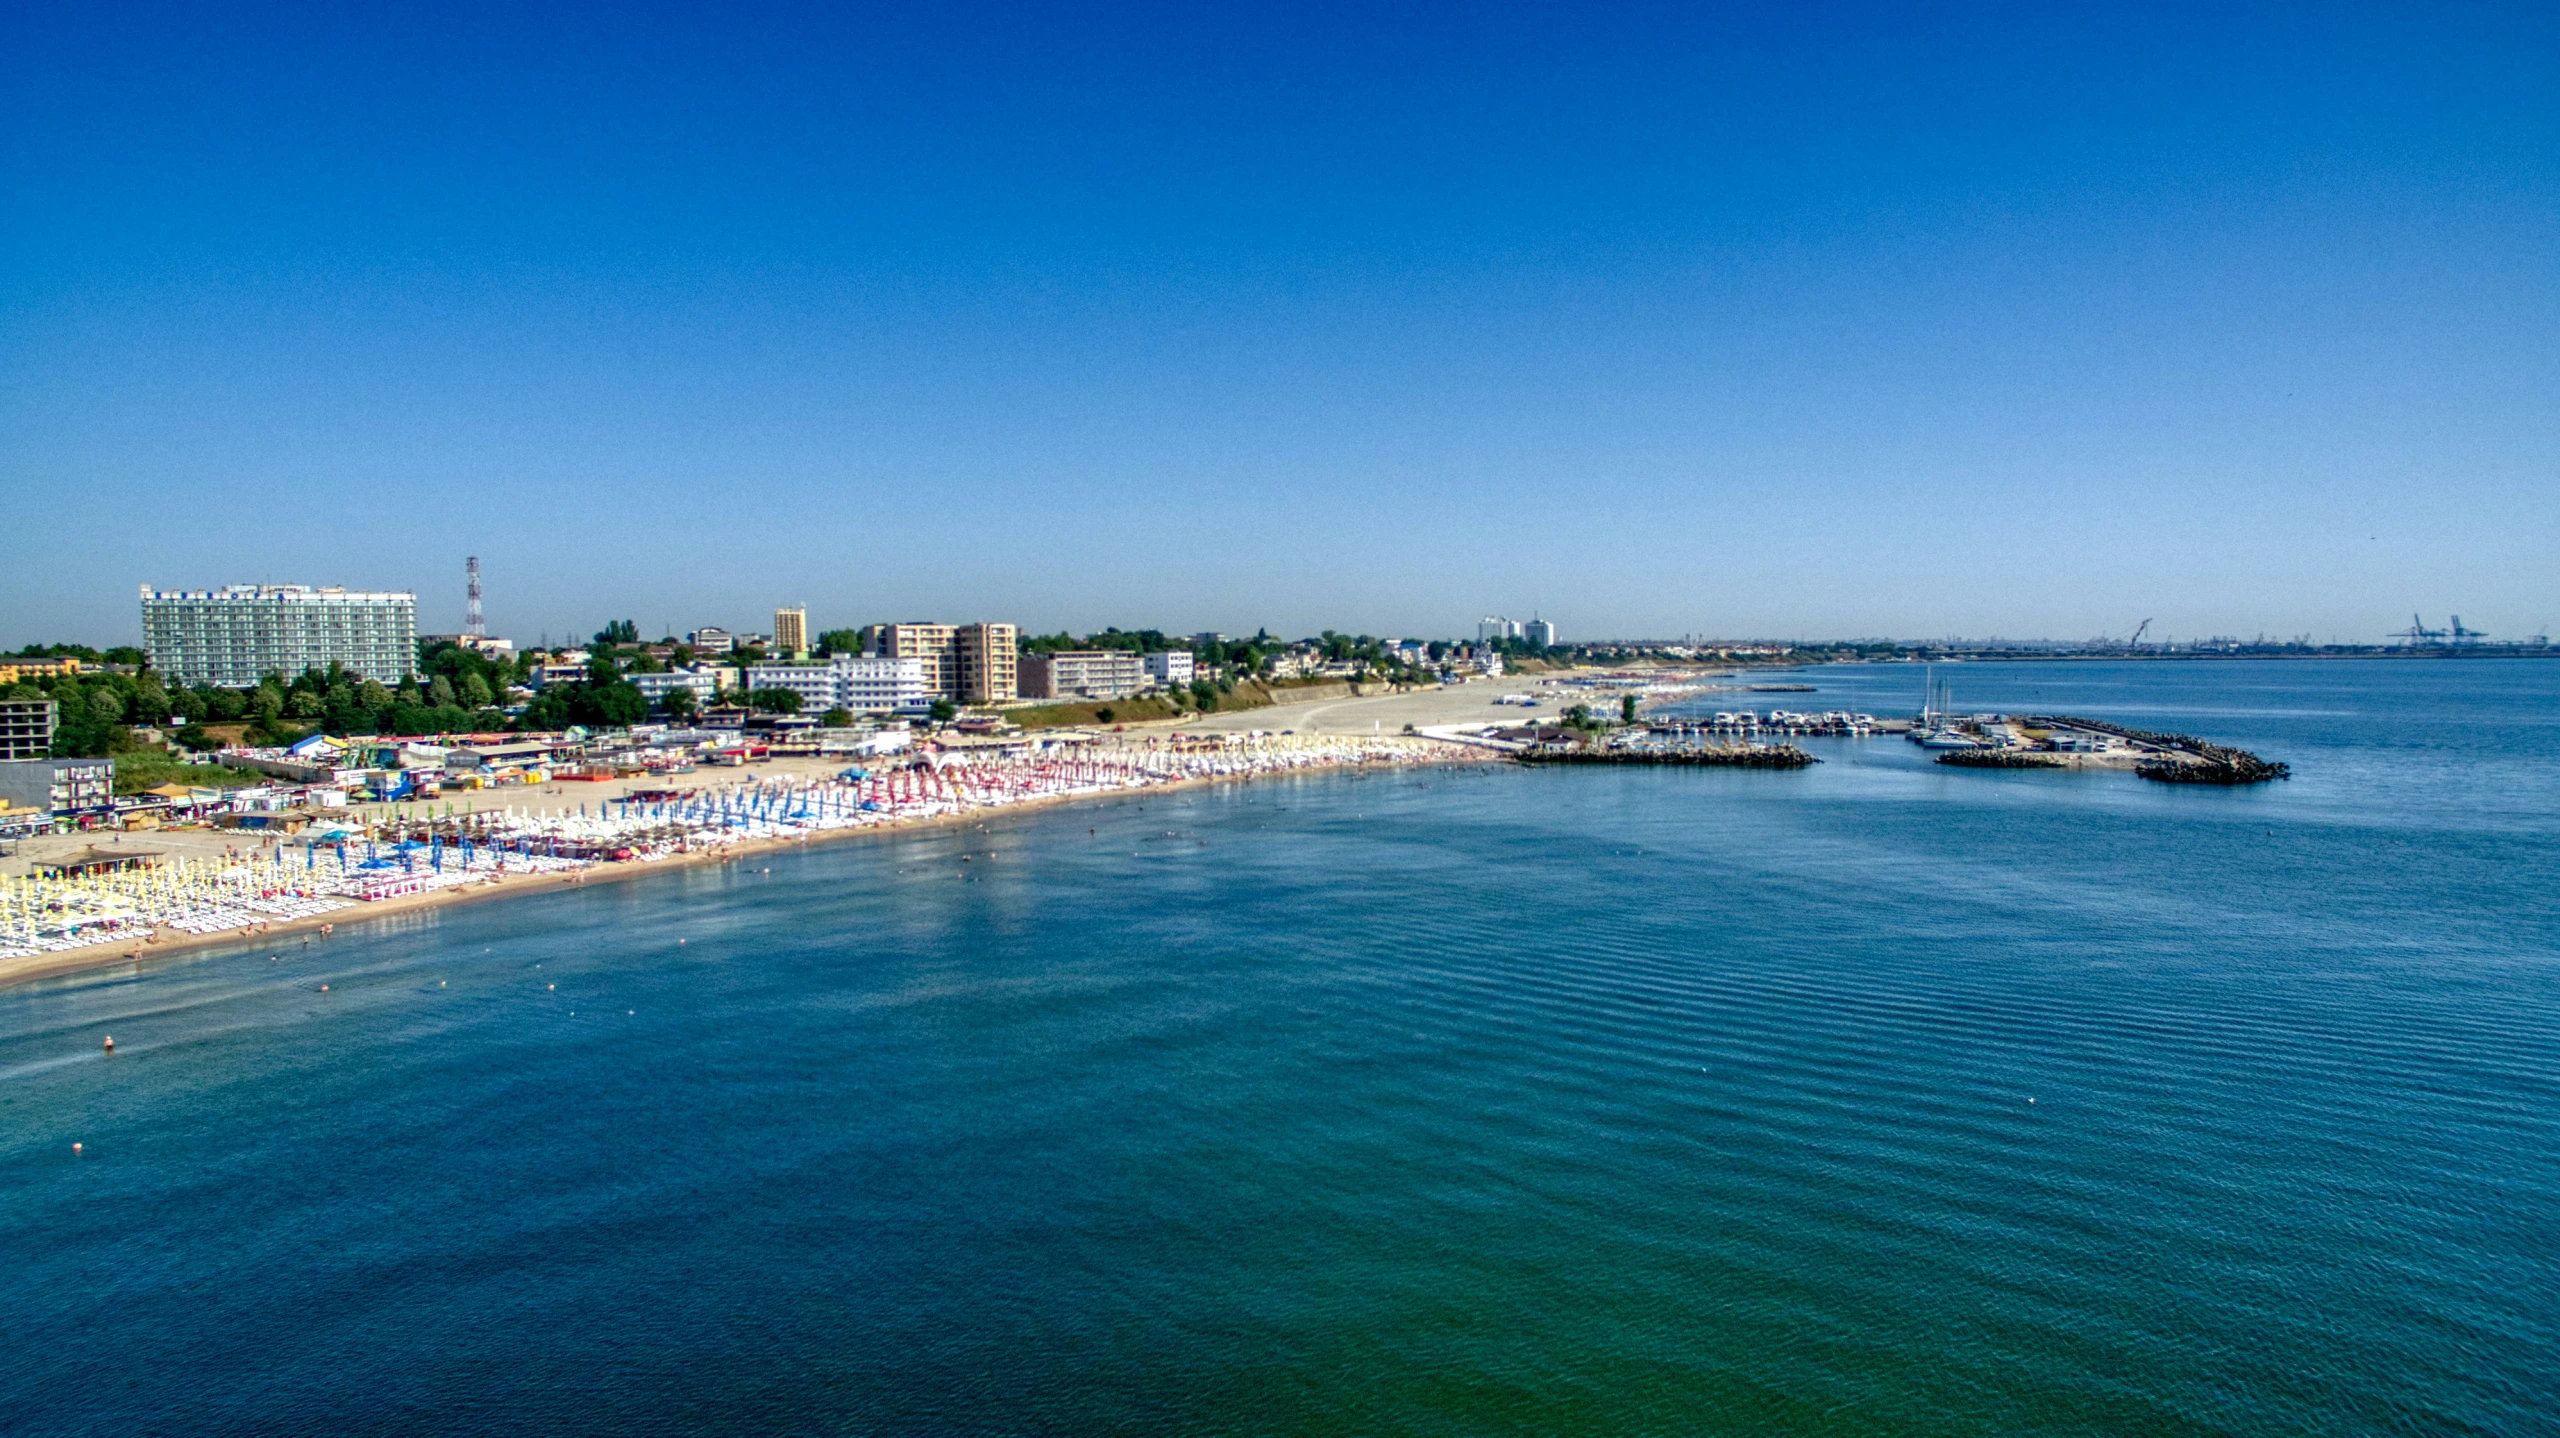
(551, 800)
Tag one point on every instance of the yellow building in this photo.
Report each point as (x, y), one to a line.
(791, 630)
(13, 670)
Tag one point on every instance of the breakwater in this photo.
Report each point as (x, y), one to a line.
(1721, 756)
(1998, 759)
(2187, 760)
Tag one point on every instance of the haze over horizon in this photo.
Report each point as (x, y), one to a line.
(1830, 322)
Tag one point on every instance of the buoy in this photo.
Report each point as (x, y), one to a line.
(679, 941)
(324, 988)
(2031, 1100)
(111, 1043)
(75, 1148)
(551, 988)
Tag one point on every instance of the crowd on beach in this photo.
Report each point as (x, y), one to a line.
(417, 850)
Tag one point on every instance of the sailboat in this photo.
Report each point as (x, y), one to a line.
(1936, 729)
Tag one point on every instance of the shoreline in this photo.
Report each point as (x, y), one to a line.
(105, 955)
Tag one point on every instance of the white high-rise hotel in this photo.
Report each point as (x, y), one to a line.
(241, 633)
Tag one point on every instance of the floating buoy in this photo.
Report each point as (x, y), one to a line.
(679, 941)
(324, 988)
(2031, 1100)
(111, 1043)
(75, 1148)
(551, 988)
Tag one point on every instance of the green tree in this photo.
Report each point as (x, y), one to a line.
(371, 695)
(838, 718)
(474, 692)
(617, 706)
(106, 704)
(1627, 708)
(440, 692)
(775, 701)
(944, 711)
(677, 703)
(618, 631)
(840, 641)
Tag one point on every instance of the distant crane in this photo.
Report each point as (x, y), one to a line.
(2462, 635)
(2138, 631)
(2418, 633)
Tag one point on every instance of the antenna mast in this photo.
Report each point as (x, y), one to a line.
(471, 622)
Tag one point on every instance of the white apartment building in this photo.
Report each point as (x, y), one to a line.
(704, 682)
(1170, 668)
(867, 684)
(1083, 674)
(1538, 631)
(241, 633)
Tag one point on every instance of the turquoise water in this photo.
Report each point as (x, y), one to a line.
(1460, 1102)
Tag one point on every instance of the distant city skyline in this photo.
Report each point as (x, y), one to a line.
(567, 632)
(1807, 323)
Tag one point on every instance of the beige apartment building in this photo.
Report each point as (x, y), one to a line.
(966, 663)
(791, 630)
(989, 664)
(932, 644)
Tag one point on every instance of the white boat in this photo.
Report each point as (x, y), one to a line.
(1948, 739)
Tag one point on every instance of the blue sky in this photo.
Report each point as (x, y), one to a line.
(1797, 321)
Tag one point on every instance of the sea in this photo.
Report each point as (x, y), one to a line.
(1872, 1098)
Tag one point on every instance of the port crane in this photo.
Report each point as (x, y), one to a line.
(2138, 631)
(2419, 633)
(2462, 635)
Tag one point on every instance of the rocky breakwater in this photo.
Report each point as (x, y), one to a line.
(2184, 758)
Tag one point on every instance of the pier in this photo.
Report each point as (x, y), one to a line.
(2066, 741)
(1723, 756)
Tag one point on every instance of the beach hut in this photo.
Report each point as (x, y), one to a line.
(95, 860)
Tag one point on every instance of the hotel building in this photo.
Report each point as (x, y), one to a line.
(967, 663)
(791, 631)
(1084, 674)
(239, 634)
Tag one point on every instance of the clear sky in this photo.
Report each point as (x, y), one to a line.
(1905, 320)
